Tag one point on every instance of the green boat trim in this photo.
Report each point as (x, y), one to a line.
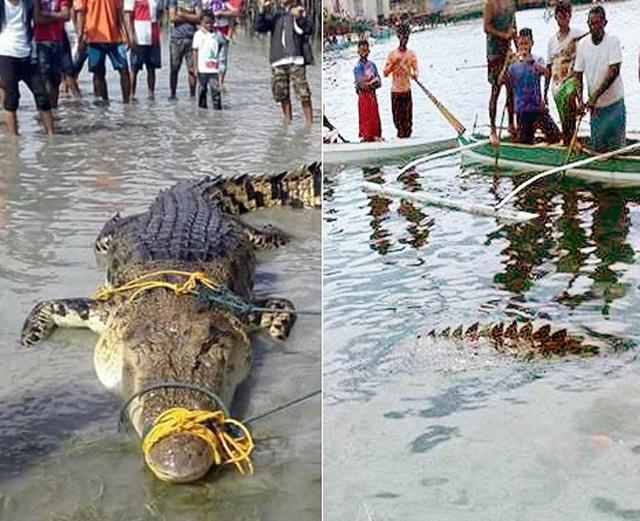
(623, 170)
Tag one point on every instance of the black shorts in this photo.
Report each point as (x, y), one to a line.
(13, 71)
(68, 67)
(50, 62)
(147, 55)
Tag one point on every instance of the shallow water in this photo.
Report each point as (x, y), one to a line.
(61, 456)
(416, 429)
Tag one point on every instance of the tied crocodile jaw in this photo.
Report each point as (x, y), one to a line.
(520, 339)
(158, 337)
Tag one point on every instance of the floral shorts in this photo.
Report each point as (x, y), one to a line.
(282, 75)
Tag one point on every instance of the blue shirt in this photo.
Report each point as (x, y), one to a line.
(365, 70)
(525, 81)
(184, 29)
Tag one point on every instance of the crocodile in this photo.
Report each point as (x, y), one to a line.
(524, 339)
(156, 336)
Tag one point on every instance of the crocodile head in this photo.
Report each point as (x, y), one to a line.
(163, 339)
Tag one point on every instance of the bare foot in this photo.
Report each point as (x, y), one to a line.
(493, 138)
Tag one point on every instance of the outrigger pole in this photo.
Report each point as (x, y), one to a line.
(443, 153)
(478, 209)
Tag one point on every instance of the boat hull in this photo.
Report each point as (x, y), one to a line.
(376, 153)
(516, 158)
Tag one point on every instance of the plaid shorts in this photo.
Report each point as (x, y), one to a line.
(280, 78)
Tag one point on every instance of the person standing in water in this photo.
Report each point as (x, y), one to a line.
(16, 65)
(288, 29)
(402, 64)
(367, 81)
(500, 28)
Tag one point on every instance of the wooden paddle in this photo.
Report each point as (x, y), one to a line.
(574, 138)
(581, 162)
(327, 123)
(453, 121)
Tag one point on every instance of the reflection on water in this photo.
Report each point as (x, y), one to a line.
(436, 428)
(61, 456)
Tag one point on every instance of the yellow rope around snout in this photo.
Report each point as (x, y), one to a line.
(225, 447)
(146, 282)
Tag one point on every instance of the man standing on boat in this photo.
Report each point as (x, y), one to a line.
(402, 63)
(500, 27)
(598, 60)
(561, 55)
(523, 75)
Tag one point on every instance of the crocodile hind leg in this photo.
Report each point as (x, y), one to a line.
(267, 238)
(275, 315)
(75, 312)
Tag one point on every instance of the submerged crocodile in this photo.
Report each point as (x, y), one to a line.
(154, 335)
(520, 339)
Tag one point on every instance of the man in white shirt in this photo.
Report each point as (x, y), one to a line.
(16, 35)
(598, 60)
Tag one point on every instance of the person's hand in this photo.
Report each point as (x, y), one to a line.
(265, 6)
(82, 44)
(131, 43)
(297, 12)
(582, 108)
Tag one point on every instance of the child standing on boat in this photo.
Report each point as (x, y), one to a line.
(402, 63)
(367, 81)
(524, 77)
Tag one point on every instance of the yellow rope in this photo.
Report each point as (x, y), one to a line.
(225, 447)
(147, 281)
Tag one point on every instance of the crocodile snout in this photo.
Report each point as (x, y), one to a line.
(180, 458)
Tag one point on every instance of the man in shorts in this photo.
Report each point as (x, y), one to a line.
(185, 17)
(143, 24)
(101, 29)
(16, 34)
(598, 60)
(500, 28)
(288, 28)
(49, 17)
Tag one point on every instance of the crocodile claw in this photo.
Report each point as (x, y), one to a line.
(39, 324)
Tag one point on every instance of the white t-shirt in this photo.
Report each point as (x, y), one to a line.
(594, 60)
(561, 54)
(13, 35)
(208, 46)
(145, 20)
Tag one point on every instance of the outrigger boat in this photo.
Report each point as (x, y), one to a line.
(379, 152)
(620, 170)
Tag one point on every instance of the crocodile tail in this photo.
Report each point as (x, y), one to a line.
(297, 188)
(522, 338)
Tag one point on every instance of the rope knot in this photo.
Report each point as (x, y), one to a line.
(229, 440)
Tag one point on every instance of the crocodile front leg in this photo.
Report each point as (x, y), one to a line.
(275, 316)
(266, 238)
(49, 314)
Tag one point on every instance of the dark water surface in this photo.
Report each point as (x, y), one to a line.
(61, 457)
(418, 430)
